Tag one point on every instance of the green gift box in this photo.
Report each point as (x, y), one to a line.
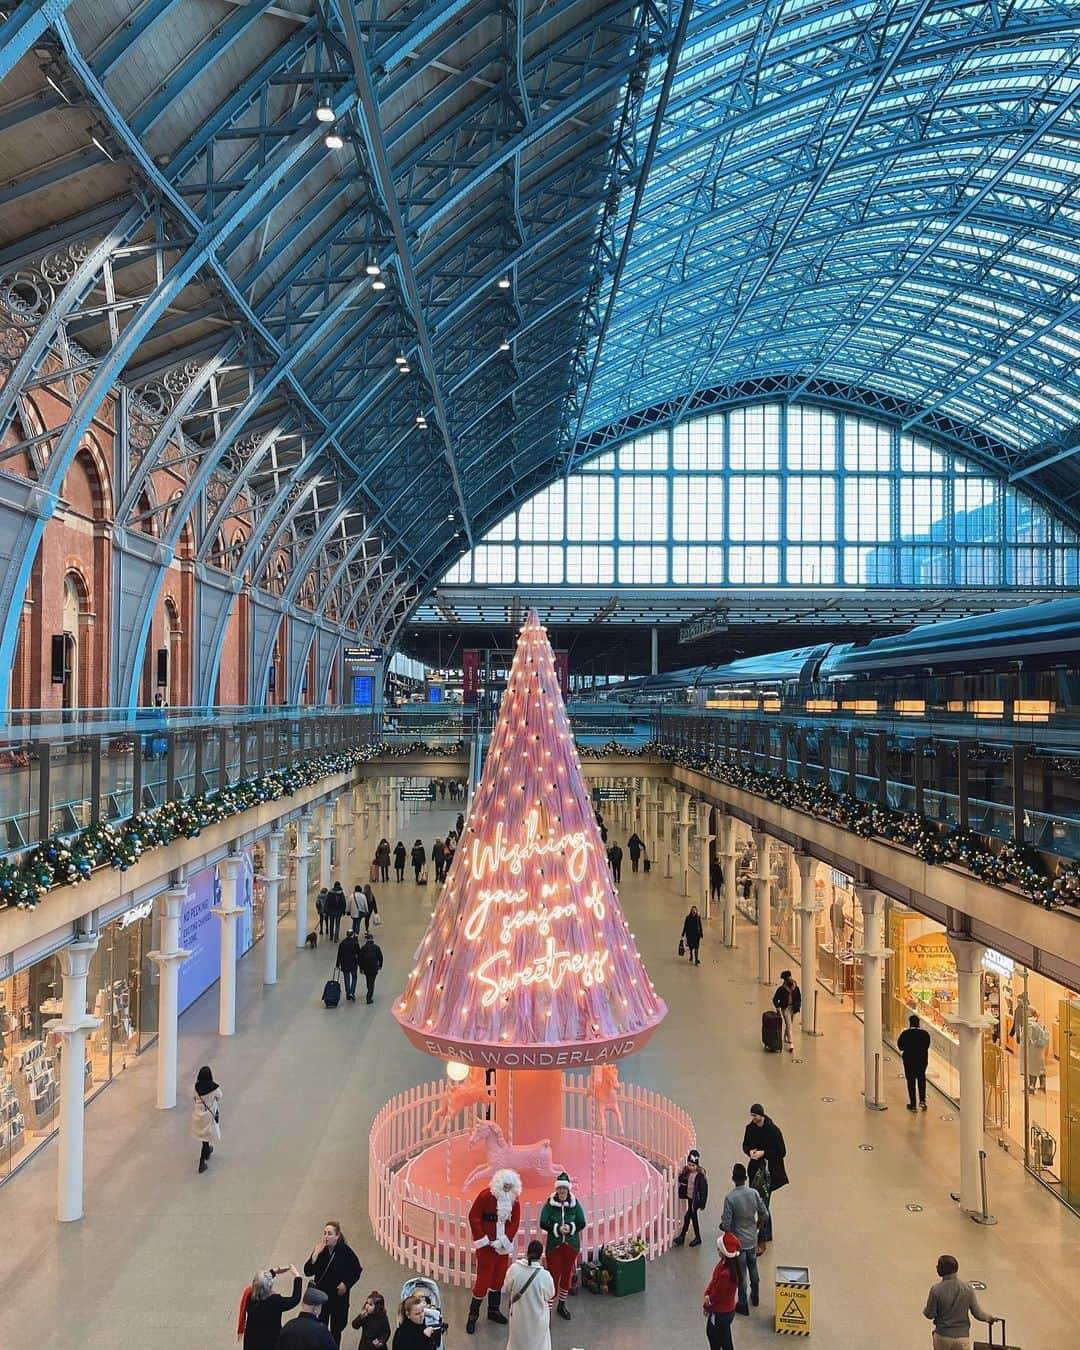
(627, 1277)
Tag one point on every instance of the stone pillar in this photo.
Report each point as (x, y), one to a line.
(727, 862)
(668, 809)
(969, 1023)
(301, 857)
(228, 911)
(808, 909)
(343, 811)
(168, 960)
(273, 880)
(326, 844)
(682, 820)
(71, 1030)
(873, 955)
(763, 888)
(704, 839)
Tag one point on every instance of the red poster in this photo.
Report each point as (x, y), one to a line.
(562, 670)
(470, 677)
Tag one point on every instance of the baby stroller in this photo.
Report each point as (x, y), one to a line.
(433, 1317)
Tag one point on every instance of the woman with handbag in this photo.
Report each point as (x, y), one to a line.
(692, 931)
(206, 1114)
(530, 1290)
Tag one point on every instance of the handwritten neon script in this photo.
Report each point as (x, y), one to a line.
(551, 967)
(488, 858)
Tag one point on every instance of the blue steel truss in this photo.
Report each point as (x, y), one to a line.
(546, 226)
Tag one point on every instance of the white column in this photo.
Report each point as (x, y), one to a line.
(228, 911)
(301, 857)
(669, 820)
(704, 839)
(682, 820)
(808, 909)
(728, 831)
(326, 844)
(343, 806)
(763, 887)
(168, 960)
(969, 1023)
(71, 1029)
(874, 955)
(273, 880)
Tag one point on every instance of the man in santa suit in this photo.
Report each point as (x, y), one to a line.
(494, 1218)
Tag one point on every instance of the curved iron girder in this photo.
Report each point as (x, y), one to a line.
(22, 27)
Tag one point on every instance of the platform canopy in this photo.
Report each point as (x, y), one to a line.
(376, 273)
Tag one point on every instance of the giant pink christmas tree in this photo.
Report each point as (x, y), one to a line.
(528, 962)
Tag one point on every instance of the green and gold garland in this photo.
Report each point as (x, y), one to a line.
(66, 860)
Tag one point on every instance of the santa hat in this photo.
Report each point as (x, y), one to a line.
(504, 1176)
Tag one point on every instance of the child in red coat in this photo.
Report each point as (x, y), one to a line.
(722, 1293)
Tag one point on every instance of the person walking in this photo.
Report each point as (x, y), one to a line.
(348, 959)
(400, 855)
(382, 859)
(635, 848)
(372, 1323)
(716, 879)
(449, 849)
(787, 1001)
(206, 1114)
(745, 1215)
(414, 1332)
(336, 905)
(372, 908)
(357, 907)
(721, 1293)
(320, 910)
(950, 1305)
(438, 860)
(334, 1268)
(914, 1046)
(371, 962)
(694, 1189)
(262, 1309)
(1038, 1038)
(419, 860)
(529, 1289)
(614, 854)
(307, 1331)
(562, 1220)
(692, 931)
(763, 1143)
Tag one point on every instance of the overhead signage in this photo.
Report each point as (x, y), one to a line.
(610, 794)
(702, 625)
(363, 654)
(417, 794)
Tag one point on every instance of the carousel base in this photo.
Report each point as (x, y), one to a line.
(597, 1167)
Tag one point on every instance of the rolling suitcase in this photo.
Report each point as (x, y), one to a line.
(991, 1344)
(331, 994)
(772, 1030)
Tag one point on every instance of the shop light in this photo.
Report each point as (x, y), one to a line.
(1032, 710)
(861, 707)
(324, 113)
(820, 705)
(910, 707)
(333, 141)
(987, 709)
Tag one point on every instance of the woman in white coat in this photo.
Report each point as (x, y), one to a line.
(206, 1114)
(1038, 1040)
(530, 1292)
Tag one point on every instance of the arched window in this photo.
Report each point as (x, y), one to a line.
(772, 496)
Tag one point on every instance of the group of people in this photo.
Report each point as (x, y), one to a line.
(442, 852)
(634, 846)
(332, 905)
(454, 788)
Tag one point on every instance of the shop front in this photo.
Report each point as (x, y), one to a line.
(122, 991)
(1031, 1045)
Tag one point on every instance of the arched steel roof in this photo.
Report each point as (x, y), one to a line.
(684, 197)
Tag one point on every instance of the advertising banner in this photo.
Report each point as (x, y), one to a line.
(470, 678)
(200, 932)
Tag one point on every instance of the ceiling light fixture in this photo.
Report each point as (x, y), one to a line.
(504, 345)
(324, 113)
(503, 283)
(372, 268)
(378, 284)
(401, 360)
(333, 141)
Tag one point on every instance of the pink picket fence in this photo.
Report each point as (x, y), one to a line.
(653, 1127)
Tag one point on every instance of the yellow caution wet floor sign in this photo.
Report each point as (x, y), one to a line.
(793, 1301)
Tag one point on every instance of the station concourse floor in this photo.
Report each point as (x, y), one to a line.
(161, 1257)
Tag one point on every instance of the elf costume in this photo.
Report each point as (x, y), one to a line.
(494, 1218)
(562, 1219)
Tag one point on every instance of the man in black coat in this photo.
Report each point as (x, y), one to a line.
(371, 961)
(305, 1331)
(614, 854)
(336, 904)
(762, 1143)
(914, 1047)
(348, 959)
(636, 848)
